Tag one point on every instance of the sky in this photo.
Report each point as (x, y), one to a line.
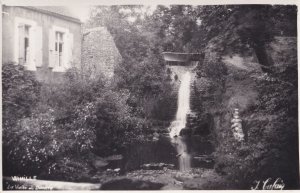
(82, 12)
(136, 2)
(81, 7)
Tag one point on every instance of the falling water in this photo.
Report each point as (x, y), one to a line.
(180, 122)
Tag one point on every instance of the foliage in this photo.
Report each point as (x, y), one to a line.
(30, 144)
(71, 120)
(20, 93)
(131, 43)
(142, 71)
(68, 168)
(271, 147)
(97, 114)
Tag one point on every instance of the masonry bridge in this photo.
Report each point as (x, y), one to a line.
(182, 59)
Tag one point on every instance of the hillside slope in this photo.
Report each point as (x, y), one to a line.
(268, 109)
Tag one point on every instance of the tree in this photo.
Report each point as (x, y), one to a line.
(244, 26)
(142, 71)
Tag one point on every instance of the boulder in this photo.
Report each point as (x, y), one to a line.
(115, 161)
(117, 170)
(155, 134)
(201, 129)
(185, 131)
(100, 163)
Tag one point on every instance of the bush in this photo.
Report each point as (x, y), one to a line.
(59, 125)
(70, 121)
(20, 96)
(271, 150)
(20, 92)
(30, 145)
(92, 115)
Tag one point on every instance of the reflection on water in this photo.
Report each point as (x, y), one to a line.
(161, 151)
(165, 150)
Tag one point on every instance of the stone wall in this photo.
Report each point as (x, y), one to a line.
(99, 53)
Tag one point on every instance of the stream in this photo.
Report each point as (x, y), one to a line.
(172, 158)
(182, 151)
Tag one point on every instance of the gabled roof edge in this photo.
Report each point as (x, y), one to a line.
(53, 13)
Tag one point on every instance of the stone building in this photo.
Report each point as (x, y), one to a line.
(45, 39)
(48, 40)
(99, 52)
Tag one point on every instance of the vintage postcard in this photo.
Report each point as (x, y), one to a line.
(132, 95)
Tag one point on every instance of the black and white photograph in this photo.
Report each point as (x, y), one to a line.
(182, 95)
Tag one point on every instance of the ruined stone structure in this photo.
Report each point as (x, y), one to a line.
(99, 52)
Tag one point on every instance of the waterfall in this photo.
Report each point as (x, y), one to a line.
(180, 122)
(183, 105)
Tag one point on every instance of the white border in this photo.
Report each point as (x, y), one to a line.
(144, 2)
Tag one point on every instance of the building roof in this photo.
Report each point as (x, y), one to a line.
(59, 11)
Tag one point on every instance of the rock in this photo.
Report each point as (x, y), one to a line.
(146, 165)
(100, 163)
(155, 134)
(155, 139)
(117, 170)
(178, 155)
(236, 120)
(185, 131)
(157, 166)
(204, 161)
(181, 177)
(131, 184)
(205, 158)
(114, 158)
(210, 180)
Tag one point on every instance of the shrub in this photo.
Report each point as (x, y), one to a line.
(20, 92)
(29, 145)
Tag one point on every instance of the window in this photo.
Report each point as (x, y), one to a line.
(59, 48)
(24, 44)
(27, 43)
